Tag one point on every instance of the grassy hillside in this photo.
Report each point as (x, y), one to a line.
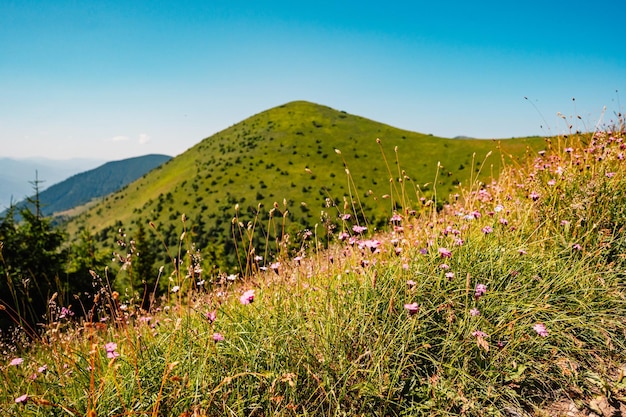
(288, 155)
(508, 302)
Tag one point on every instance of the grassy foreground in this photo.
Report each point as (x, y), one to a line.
(504, 302)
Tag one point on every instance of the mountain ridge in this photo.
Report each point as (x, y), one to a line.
(289, 154)
(85, 186)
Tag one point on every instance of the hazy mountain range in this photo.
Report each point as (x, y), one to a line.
(16, 175)
(79, 188)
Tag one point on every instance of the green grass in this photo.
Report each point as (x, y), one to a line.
(330, 333)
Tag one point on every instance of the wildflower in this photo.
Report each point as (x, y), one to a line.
(480, 290)
(247, 297)
(610, 174)
(534, 196)
(343, 236)
(211, 316)
(396, 218)
(474, 312)
(551, 182)
(371, 244)
(274, 266)
(445, 253)
(444, 266)
(218, 337)
(231, 277)
(412, 308)
(478, 333)
(487, 230)
(42, 369)
(522, 252)
(569, 150)
(498, 208)
(16, 362)
(405, 266)
(410, 283)
(541, 330)
(358, 229)
(111, 349)
(449, 275)
(66, 312)
(345, 216)
(577, 246)
(175, 288)
(22, 399)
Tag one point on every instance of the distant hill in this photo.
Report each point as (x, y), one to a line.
(82, 188)
(16, 175)
(287, 153)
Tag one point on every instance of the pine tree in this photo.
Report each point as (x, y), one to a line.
(32, 261)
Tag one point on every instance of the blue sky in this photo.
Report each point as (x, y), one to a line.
(115, 79)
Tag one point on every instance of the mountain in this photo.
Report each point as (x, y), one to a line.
(17, 175)
(299, 154)
(84, 187)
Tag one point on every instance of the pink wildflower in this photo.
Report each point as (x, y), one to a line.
(474, 312)
(396, 218)
(487, 230)
(478, 333)
(412, 308)
(247, 297)
(480, 290)
(541, 330)
(211, 316)
(371, 244)
(445, 253)
(359, 229)
(22, 399)
(111, 349)
(16, 362)
(218, 337)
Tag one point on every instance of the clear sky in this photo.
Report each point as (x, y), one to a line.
(115, 79)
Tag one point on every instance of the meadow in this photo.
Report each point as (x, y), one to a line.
(506, 298)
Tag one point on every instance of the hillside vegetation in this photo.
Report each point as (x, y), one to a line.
(285, 160)
(508, 301)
